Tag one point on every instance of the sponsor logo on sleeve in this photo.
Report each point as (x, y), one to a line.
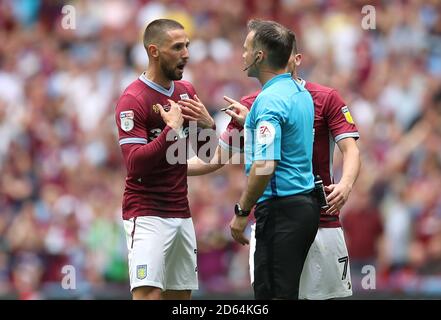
(347, 115)
(127, 122)
(265, 132)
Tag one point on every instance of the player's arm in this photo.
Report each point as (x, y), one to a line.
(222, 156)
(345, 134)
(140, 156)
(339, 192)
(229, 142)
(197, 167)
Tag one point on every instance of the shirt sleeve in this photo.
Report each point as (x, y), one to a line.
(340, 121)
(139, 155)
(267, 131)
(130, 121)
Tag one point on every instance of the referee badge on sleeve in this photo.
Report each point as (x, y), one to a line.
(127, 122)
(347, 114)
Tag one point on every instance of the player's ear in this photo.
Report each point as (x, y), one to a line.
(153, 51)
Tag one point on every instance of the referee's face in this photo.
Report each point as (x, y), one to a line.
(249, 59)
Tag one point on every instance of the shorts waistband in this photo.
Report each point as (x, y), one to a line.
(298, 196)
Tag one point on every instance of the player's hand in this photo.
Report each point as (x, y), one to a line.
(236, 110)
(173, 118)
(194, 110)
(338, 196)
(237, 227)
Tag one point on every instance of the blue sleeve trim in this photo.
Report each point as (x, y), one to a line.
(132, 140)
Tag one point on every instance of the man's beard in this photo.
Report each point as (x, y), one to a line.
(170, 73)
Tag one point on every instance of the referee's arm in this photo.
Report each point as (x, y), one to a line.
(260, 174)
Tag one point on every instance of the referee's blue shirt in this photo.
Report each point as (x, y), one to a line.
(280, 127)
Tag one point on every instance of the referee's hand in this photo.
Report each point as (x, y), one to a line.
(236, 110)
(237, 227)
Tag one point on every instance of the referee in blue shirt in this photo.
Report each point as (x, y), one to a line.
(278, 153)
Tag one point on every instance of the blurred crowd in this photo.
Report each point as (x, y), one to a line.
(61, 172)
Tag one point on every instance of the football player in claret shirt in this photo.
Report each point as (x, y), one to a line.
(326, 272)
(159, 229)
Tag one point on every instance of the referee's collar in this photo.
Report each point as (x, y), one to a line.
(301, 81)
(275, 79)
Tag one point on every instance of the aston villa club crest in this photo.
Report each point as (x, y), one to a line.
(166, 108)
(127, 120)
(141, 271)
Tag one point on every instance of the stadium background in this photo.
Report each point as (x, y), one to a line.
(61, 173)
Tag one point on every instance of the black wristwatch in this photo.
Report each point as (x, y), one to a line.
(239, 212)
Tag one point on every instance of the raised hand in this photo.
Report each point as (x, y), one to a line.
(173, 118)
(236, 110)
(194, 110)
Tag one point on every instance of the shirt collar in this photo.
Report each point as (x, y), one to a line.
(157, 87)
(302, 81)
(276, 79)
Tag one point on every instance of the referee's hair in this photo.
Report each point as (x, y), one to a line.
(294, 45)
(155, 31)
(275, 39)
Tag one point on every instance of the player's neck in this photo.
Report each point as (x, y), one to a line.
(158, 78)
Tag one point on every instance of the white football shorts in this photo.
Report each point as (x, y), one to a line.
(326, 273)
(162, 253)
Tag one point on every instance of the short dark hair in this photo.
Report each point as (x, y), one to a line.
(275, 39)
(154, 32)
(294, 44)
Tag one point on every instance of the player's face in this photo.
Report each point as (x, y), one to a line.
(173, 54)
(249, 55)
